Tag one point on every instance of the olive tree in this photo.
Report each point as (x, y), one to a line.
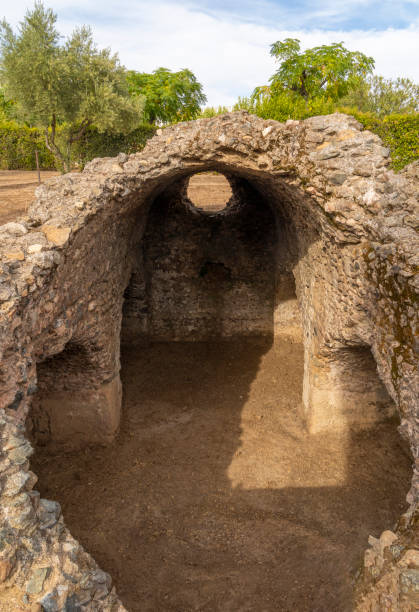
(69, 83)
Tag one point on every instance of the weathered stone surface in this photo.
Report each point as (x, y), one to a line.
(48, 513)
(80, 417)
(50, 602)
(14, 229)
(222, 267)
(37, 579)
(35, 248)
(56, 235)
(344, 226)
(5, 568)
(14, 256)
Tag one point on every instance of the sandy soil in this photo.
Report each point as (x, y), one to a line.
(214, 498)
(17, 189)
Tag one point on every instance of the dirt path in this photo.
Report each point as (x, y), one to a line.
(17, 190)
(214, 498)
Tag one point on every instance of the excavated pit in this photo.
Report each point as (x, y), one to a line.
(215, 495)
(248, 451)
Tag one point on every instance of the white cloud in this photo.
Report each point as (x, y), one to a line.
(228, 56)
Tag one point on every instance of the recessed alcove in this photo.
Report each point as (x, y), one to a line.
(72, 408)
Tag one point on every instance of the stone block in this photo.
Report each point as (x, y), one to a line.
(84, 417)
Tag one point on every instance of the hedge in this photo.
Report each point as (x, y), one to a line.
(17, 148)
(95, 144)
(18, 144)
(284, 106)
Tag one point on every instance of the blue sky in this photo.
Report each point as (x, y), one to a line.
(226, 42)
(334, 15)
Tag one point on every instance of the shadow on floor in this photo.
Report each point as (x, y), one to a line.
(214, 498)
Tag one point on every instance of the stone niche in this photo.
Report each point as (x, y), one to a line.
(69, 411)
(347, 392)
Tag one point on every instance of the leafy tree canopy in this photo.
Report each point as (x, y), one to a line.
(329, 71)
(72, 83)
(384, 96)
(169, 96)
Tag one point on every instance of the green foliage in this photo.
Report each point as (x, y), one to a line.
(285, 106)
(6, 107)
(18, 144)
(244, 103)
(108, 144)
(329, 71)
(213, 111)
(17, 148)
(398, 132)
(384, 96)
(74, 83)
(29, 64)
(315, 81)
(169, 96)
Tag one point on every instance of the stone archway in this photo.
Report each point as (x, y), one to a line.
(347, 230)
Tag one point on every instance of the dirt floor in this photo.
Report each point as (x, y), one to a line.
(17, 190)
(214, 498)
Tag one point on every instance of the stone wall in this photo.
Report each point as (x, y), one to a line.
(345, 227)
(201, 275)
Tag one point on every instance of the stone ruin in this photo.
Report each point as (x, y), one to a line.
(323, 215)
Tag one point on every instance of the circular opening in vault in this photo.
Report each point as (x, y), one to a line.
(209, 191)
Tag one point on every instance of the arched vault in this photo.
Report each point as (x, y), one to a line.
(346, 231)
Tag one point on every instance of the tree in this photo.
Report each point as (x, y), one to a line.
(329, 71)
(384, 96)
(73, 84)
(169, 96)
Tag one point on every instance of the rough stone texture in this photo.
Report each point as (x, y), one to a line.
(199, 275)
(345, 227)
(390, 579)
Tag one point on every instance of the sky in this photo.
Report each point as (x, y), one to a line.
(226, 42)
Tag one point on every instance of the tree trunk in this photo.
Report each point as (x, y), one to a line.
(52, 147)
(303, 90)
